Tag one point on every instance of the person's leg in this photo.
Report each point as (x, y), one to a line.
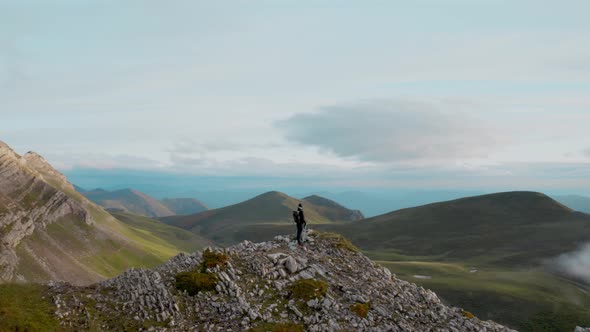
(299, 230)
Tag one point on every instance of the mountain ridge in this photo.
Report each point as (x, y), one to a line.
(129, 200)
(49, 231)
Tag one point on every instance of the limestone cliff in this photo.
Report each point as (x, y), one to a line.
(27, 203)
(50, 232)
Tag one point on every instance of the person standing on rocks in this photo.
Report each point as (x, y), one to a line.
(300, 224)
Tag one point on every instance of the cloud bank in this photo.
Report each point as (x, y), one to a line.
(386, 131)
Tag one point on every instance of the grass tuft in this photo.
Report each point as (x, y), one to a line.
(278, 327)
(338, 241)
(194, 281)
(212, 259)
(199, 279)
(467, 314)
(307, 289)
(360, 309)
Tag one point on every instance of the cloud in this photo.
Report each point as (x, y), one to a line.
(576, 264)
(586, 152)
(385, 131)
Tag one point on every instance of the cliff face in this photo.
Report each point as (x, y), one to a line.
(267, 286)
(50, 232)
(28, 203)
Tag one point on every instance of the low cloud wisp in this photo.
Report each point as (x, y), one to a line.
(576, 264)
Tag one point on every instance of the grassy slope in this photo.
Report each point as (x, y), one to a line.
(506, 237)
(154, 231)
(518, 298)
(26, 308)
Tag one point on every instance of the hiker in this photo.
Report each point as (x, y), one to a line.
(301, 216)
(301, 224)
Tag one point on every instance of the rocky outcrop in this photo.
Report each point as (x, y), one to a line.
(256, 289)
(50, 174)
(28, 202)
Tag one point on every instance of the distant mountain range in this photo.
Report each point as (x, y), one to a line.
(233, 223)
(48, 231)
(136, 202)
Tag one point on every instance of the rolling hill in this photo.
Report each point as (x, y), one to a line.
(130, 201)
(183, 206)
(332, 210)
(273, 210)
(513, 228)
(49, 231)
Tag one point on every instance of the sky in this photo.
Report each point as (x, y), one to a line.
(344, 94)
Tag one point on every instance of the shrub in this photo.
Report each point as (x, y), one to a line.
(199, 279)
(277, 327)
(307, 289)
(360, 309)
(194, 281)
(212, 259)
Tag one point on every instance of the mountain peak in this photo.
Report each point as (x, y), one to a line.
(272, 193)
(4, 145)
(334, 209)
(53, 176)
(272, 285)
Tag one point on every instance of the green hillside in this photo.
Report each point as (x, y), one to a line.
(166, 236)
(507, 229)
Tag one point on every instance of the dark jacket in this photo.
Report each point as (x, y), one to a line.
(301, 216)
(296, 217)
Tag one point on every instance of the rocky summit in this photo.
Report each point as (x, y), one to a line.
(327, 285)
